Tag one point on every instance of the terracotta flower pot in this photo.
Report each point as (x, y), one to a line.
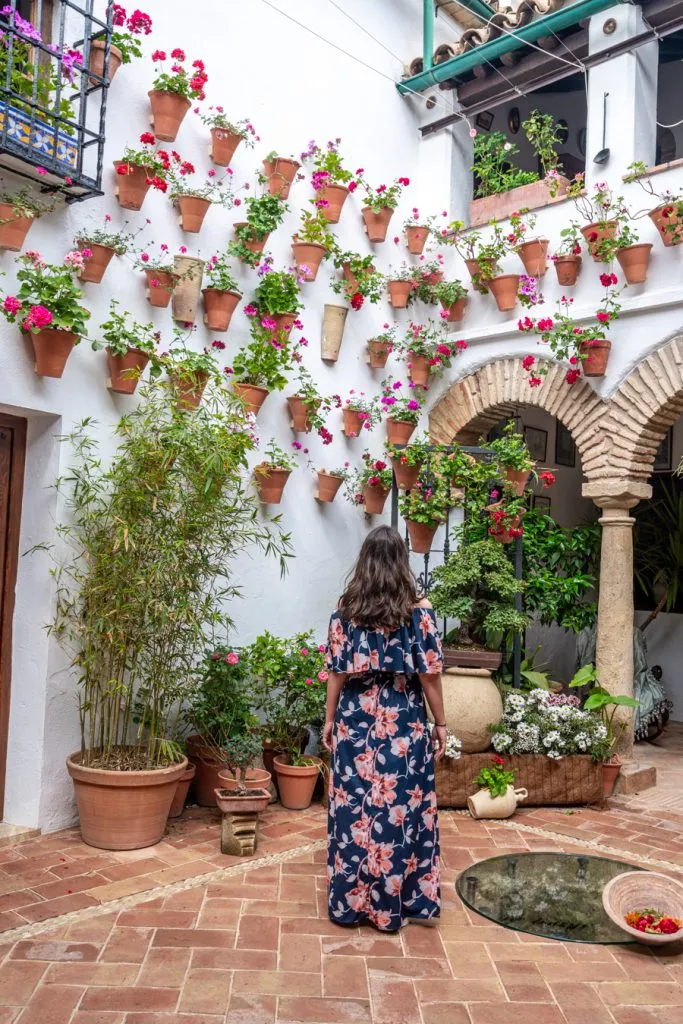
(168, 111)
(399, 292)
(567, 269)
(376, 224)
(299, 413)
(517, 479)
(310, 255)
(123, 810)
(334, 321)
(270, 483)
(182, 788)
(416, 237)
(160, 285)
(121, 378)
(52, 348)
(597, 233)
(534, 256)
(283, 321)
(94, 268)
(634, 261)
(610, 773)
(480, 269)
(504, 290)
(668, 223)
(252, 396)
(255, 778)
(193, 210)
(229, 802)
(350, 277)
(223, 146)
(374, 498)
(13, 229)
(503, 536)
(254, 245)
(190, 389)
(456, 310)
(378, 353)
(421, 536)
(296, 784)
(207, 766)
(353, 422)
(399, 431)
(130, 188)
(335, 196)
(96, 61)
(328, 485)
(280, 173)
(418, 368)
(406, 476)
(219, 307)
(189, 272)
(597, 357)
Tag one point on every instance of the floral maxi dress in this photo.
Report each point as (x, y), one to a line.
(383, 838)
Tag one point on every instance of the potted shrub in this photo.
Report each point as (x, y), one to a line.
(668, 214)
(330, 179)
(98, 246)
(160, 275)
(606, 705)
(272, 473)
(279, 173)
(189, 372)
(173, 91)
(47, 306)
(129, 346)
(264, 214)
(260, 366)
(380, 204)
(18, 209)
(381, 346)
(601, 211)
(360, 280)
(513, 458)
(221, 294)
(358, 412)
(124, 44)
(567, 258)
(313, 242)
(308, 408)
(424, 508)
(427, 352)
(226, 135)
(453, 298)
(151, 535)
(402, 412)
(373, 483)
(138, 170)
(497, 796)
(329, 482)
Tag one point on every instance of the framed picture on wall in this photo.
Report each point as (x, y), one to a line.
(565, 449)
(485, 120)
(537, 443)
(541, 502)
(662, 463)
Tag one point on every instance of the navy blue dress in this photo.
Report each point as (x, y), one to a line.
(383, 836)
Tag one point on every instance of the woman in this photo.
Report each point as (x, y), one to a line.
(384, 656)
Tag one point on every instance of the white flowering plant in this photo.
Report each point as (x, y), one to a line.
(541, 722)
(453, 743)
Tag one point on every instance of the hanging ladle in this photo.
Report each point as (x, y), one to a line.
(603, 155)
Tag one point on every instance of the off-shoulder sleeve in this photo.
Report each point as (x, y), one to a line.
(339, 651)
(426, 642)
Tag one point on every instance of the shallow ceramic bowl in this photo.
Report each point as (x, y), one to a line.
(635, 890)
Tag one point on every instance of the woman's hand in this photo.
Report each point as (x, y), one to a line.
(439, 735)
(328, 729)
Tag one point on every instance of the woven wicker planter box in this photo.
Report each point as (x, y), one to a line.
(573, 781)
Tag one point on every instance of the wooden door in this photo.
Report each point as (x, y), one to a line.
(12, 453)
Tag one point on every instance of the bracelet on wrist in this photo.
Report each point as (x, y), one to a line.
(439, 725)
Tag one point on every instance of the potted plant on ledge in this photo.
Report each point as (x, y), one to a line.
(380, 204)
(360, 280)
(264, 214)
(668, 214)
(424, 509)
(98, 246)
(138, 170)
(18, 210)
(260, 366)
(240, 803)
(312, 243)
(567, 257)
(453, 298)
(402, 412)
(160, 275)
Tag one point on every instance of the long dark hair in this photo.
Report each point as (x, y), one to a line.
(381, 591)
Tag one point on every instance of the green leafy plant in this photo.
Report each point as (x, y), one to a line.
(219, 709)
(219, 274)
(603, 702)
(126, 32)
(215, 117)
(371, 473)
(672, 202)
(47, 296)
(121, 242)
(240, 753)
(275, 457)
(121, 332)
(328, 163)
(495, 778)
(264, 214)
(317, 405)
(178, 79)
(429, 500)
(25, 203)
(384, 197)
(315, 229)
(448, 292)
(510, 449)
(572, 240)
(366, 282)
(492, 167)
(278, 292)
(544, 135)
(265, 360)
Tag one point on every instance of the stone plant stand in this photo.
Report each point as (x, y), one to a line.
(239, 825)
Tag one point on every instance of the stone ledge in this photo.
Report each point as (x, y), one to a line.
(11, 835)
(634, 778)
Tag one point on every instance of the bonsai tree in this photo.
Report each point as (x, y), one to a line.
(477, 585)
(239, 753)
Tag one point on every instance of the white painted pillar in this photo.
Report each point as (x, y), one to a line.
(444, 162)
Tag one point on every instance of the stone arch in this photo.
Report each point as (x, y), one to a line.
(473, 404)
(642, 409)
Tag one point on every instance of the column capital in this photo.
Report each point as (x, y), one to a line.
(617, 492)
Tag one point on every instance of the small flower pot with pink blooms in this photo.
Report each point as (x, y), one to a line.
(370, 485)
(418, 230)
(272, 473)
(173, 92)
(359, 412)
(312, 243)
(124, 45)
(331, 181)
(99, 246)
(160, 275)
(401, 410)
(428, 351)
(380, 204)
(138, 170)
(227, 135)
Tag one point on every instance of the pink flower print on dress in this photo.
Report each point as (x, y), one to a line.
(416, 797)
(400, 746)
(360, 830)
(393, 885)
(398, 814)
(379, 858)
(359, 898)
(383, 790)
(429, 885)
(365, 765)
(385, 722)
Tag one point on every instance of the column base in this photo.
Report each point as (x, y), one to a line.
(239, 834)
(635, 778)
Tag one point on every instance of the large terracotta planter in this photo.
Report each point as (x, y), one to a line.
(223, 146)
(567, 269)
(182, 788)
(254, 778)
(399, 292)
(572, 781)
(421, 536)
(374, 498)
(471, 702)
(296, 783)
(334, 321)
(406, 476)
(207, 766)
(597, 233)
(517, 479)
(524, 197)
(123, 810)
(418, 368)
(95, 266)
(13, 229)
(219, 307)
(189, 389)
(270, 483)
(328, 486)
(280, 173)
(96, 61)
(252, 395)
(378, 353)
(255, 244)
(168, 111)
(309, 255)
(189, 271)
(160, 285)
(121, 378)
(634, 261)
(416, 238)
(504, 290)
(668, 223)
(132, 187)
(399, 431)
(455, 311)
(335, 196)
(353, 422)
(192, 211)
(299, 412)
(534, 256)
(483, 805)
(51, 349)
(376, 224)
(595, 365)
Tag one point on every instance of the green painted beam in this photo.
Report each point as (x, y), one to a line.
(565, 17)
(478, 7)
(427, 34)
